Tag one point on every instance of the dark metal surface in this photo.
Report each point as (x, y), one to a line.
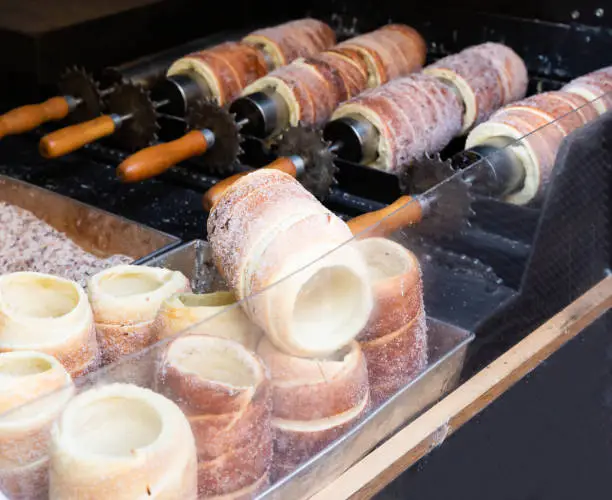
(78, 83)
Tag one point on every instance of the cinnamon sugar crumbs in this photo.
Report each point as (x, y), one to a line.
(30, 244)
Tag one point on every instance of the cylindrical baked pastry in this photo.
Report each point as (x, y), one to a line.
(224, 390)
(413, 115)
(394, 341)
(34, 388)
(486, 77)
(389, 52)
(596, 87)
(526, 126)
(222, 71)
(266, 228)
(315, 401)
(120, 441)
(312, 88)
(289, 41)
(125, 300)
(40, 312)
(207, 313)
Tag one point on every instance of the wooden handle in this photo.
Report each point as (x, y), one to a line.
(212, 196)
(71, 138)
(157, 159)
(403, 212)
(25, 118)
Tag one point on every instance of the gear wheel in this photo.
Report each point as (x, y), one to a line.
(308, 143)
(140, 130)
(425, 173)
(223, 156)
(78, 83)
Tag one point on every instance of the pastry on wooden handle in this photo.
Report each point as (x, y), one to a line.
(389, 52)
(224, 70)
(125, 300)
(224, 390)
(315, 401)
(155, 160)
(214, 314)
(69, 139)
(533, 139)
(26, 118)
(123, 442)
(596, 87)
(486, 76)
(40, 312)
(394, 341)
(214, 194)
(413, 115)
(292, 40)
(267, 227)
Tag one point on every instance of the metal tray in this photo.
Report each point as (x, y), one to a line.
(447, 351)
(96, 231)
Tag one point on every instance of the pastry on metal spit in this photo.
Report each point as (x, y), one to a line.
(595, 86)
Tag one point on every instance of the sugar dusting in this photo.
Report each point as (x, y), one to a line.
(30, 244)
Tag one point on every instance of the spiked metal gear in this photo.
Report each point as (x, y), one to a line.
(78, 83)
(425, 173)
(207, 114)
(140, 130)
(308, 143)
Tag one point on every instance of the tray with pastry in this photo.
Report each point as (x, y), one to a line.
(261, 363)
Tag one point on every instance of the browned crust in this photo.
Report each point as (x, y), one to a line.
(27, 482)
(237, 468)
(199, 396)
(300, 38)
(319, 392)
(396, 359)
(118, 341)
(249, 492)
(398, 300)
(235, 65)
(293, 448)
(216, 434)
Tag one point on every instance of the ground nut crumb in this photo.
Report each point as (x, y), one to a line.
(30, 244)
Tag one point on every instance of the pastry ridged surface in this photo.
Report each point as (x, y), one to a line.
(595, 86)
(226, 68)
(315, 401)
(413, 115)
(224, 390)
(389, 52)
(486, 76)
(394, 341)
(529, 121)
(267, 228)
(289, 41)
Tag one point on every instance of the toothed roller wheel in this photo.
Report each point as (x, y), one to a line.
(308, 143)
(140, 130)
(223, 156)
(78, 83)
(425, 173)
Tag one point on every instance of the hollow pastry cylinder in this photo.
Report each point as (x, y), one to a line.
(395, 340)
(292, 40)
(526, 126)
(222, 71)
(214, 314)
(315, 401)
(48, 314)
(486, 76)
(413, 115)
(123, 442)
(596, 87)
(224, 390)
(267, 228)
(34, 388)
(125, 301)
(389, 52)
